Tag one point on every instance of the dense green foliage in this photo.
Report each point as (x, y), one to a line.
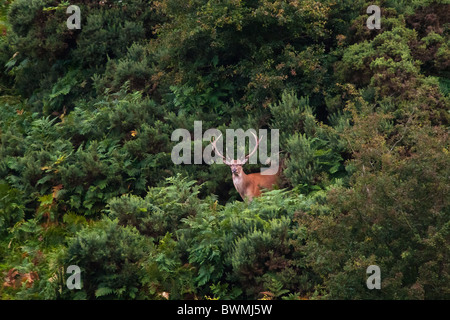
(86, 176)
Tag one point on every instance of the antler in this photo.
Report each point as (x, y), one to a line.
(213, 143)
(254, 150)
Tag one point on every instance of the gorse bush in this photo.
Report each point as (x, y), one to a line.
(12, 207)
(162, 209)
(122, 248)
(86, 176)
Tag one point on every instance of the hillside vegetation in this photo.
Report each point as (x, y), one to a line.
(86, 176)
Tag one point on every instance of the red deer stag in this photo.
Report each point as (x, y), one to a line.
(248, 185)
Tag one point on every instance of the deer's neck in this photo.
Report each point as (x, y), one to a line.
(240, 183)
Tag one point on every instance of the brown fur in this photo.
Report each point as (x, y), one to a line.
(251, 185)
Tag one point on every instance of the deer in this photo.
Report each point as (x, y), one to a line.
(250, 185)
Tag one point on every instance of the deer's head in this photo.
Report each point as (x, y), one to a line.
(236, 165)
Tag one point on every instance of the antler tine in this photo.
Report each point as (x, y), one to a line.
(256, 147)
(213, 143)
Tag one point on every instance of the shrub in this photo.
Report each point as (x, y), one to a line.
(109, 257)
(11, 207)
(161, 211)
(394, 215)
